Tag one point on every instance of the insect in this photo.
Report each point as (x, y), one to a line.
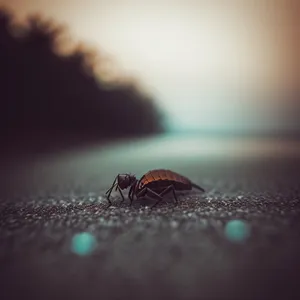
(154, 184)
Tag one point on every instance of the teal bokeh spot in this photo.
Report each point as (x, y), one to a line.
(83, 243)
(237, 230)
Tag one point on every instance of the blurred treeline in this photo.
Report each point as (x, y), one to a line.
(45, 95)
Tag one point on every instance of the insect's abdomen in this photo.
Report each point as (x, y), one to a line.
(159, 179)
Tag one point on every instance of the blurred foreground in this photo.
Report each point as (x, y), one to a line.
(179, 253)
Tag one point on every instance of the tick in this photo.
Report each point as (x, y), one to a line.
(154, 184)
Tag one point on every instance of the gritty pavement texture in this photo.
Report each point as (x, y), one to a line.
(165, 253)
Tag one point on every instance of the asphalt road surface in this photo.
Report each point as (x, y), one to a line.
(168, 252)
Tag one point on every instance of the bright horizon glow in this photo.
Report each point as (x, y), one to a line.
(209, 66)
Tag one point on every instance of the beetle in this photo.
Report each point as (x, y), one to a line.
(155, 183)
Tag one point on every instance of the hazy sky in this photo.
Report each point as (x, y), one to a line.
(210, 64)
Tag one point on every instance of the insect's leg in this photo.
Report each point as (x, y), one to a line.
(131, 197)
(123, 199)
(174, 194)
(109, 191)
(108, 196)
(165, 191)
(151, 193)
(142, 192)
(175, 197)
(156, 202)
(131, 194)
(171, 187)
(109, 202)
(111, 188)
(146, 191)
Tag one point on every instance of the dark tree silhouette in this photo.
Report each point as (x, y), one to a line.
(45, 94)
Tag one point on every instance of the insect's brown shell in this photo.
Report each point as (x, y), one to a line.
(161, 178)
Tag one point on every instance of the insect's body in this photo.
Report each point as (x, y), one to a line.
(155, 183)
(158, 180)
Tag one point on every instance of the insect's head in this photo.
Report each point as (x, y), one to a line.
(126, 180)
